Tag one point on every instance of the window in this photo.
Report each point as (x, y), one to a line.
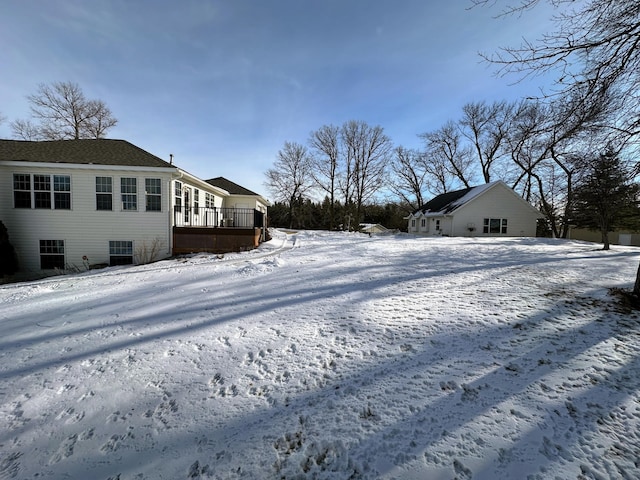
(21, 190)
(437, 225)
(209, 200)
(495, 225)
(423, 222)
(49, 191)
(187, 204)
(177, 191)
(196, 201)
(104, 193)
(129, 191)
(51, 254)
(42, 191)
(62, 192)
(413, 222)
(153, 193)
(120, 252)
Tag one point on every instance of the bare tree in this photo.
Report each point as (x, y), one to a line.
(445, 147)
(367, 153)
(290, 178)
(409, 177)
(25, 130)
(595, 48)
(438, 179)
(546, 141)
(99, 119)
(325, 142)
(63, 112)
(485, 126)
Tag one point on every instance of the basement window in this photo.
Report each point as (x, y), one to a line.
(51, 254)
(120, 252)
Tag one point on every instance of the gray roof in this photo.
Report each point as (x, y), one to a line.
(229, 186)
(80, 152)
(444, 203)
(449, 202)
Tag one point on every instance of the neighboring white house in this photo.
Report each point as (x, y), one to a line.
(73, 203)
(488, 210)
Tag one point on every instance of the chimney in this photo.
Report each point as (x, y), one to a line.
(171, 159)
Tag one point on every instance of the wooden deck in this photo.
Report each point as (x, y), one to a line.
(215, 239)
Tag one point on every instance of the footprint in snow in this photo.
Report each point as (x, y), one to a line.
(70, 415)
(65, 450)
(461, 471)
(116, 441)
(10, 465)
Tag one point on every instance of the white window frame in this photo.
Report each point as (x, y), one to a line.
(209, 200)
(120, 249)
(22, 180)
(52, 249)
(488, 226)
(129, 194)
(46, 191)
(153, 195)
(104, 190)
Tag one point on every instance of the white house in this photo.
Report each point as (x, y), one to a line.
(239, 197)
(489, 210)
(73, 203)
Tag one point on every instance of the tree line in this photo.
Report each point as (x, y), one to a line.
(547, 151)
(572, 152)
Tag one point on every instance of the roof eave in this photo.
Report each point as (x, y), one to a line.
(84, 166)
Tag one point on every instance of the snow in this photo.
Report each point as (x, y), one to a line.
(328, 356)
(474, 192)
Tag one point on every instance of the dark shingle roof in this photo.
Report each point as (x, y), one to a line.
(81, 152)
(229, 186)
(444, 203)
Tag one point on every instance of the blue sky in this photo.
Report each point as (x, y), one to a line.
(222, 85)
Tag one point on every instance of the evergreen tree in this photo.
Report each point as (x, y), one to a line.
(606, 198)
(8, 257)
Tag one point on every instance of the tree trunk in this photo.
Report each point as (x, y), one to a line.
(636, 287)
(290, 213)
(605, 239)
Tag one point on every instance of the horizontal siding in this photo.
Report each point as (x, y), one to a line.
(631, 239)
(85, 230)
(498, 202)
(432, 226)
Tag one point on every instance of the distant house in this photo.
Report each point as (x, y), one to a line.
(489, 210)
(373, 228)
(617, 237)
(72, 203)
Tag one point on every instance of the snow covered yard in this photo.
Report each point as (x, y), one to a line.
(328, 356)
